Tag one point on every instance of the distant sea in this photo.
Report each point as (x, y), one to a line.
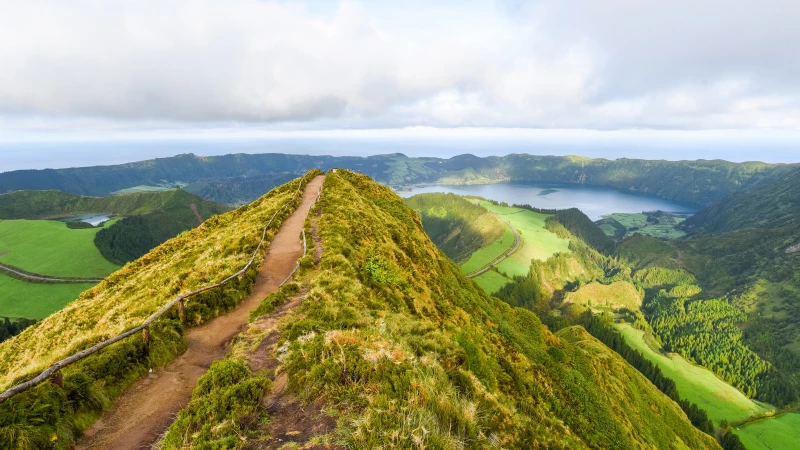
(42, 155)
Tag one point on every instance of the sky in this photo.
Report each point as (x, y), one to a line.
(612, 78)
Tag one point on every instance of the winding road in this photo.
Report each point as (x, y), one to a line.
(34, 278)
(501, 257)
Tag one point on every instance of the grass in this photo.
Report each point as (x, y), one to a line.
(34, 300)
(491, 281)
(487, 254)
(696, 384)
(781, 432)
(536, 241)
(50, 248)
(196, 258)
(639, 221)
(144, 188)
(619, 294)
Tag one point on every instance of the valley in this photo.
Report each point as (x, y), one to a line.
(674, 292)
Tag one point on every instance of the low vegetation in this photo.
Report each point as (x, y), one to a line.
(406, 352)
(9, 327)
(49, 247)
(658, 224)
(462, 229)
(134, 236)
(241, 178)
(123, 300)
(36, 300)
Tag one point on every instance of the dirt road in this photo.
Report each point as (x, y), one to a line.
(144, 412)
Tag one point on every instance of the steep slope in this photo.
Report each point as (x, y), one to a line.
(47, 415)
(457, 226)
(234, 179)
(392, 347)
(152, 217)
(771, 205)
(57, 204)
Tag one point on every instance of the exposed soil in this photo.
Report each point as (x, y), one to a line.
(144, 412)
(193, 207)
(292, 421)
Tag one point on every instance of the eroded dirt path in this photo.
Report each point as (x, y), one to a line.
(144, 412)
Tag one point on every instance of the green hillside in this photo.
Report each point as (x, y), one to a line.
(749, 285)
(150, 218)
(47, 416)
(459, 227)
(240, 178)
(48, 247)
(397, 349)
(56, 204)
(392, 343)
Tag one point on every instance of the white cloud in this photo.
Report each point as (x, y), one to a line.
(284, 65)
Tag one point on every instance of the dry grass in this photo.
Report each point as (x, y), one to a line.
(127, 297)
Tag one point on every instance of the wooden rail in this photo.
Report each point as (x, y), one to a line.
(53, 369)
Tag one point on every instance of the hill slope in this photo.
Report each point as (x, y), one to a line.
(47, 415)
(457, 226)
(240, 178)
(738, 254)
(153, 217)
(405, 352)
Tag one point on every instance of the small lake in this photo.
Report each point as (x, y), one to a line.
(594, 201)
(94, 219)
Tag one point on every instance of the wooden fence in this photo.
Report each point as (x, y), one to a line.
(52, 371)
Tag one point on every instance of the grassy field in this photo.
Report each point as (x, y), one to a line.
(619, 294)
(50, 248)
(537, 241)
(641, 225)
(781, 432)
(491, 281)
(33, 300)
(695, 383)
(487, 254)
(145, 188)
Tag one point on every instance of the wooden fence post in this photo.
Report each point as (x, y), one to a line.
(146, 335)
(57, 379)
(181, 312)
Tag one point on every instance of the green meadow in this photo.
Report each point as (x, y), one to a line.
(35, 300)
(781, 432)
(696, 384)
(491, 281)
(48, 247)
(145, 188)
(487, 254)
(536, 241)
(638, 222)
(619, 294)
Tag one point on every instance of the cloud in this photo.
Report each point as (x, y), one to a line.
(285, 65)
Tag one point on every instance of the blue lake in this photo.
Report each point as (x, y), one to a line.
(594, 201)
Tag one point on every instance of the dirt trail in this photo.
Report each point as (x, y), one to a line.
(193, 207)
(147, 408)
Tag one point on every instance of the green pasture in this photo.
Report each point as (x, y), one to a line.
(145, 188)
(695, 383)
(35, 300)
(781, 432)
(48, 247)
(638, 220)
(491, 281)
(536, 241)
(487, 254)
(617, 295)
